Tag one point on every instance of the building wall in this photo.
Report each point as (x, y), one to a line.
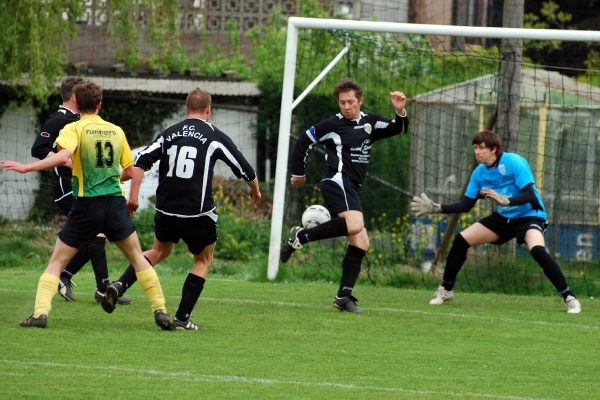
(18, 131)
(17, 134)
(93, 47)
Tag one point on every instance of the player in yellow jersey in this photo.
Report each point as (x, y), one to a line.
(97, 148)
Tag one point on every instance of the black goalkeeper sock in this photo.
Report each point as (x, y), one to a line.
(334, 228)
(190, 292)
(551, 270)
(350, 270)
(454, 262)
(77, 262)
(97, 251)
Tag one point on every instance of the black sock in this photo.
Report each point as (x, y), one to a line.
(350, 270)
(551, 270)
(76, 263)
(455, 260)
(97, 251)
(190, 292)
(334, 228)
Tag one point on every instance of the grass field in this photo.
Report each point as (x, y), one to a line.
(285, 341)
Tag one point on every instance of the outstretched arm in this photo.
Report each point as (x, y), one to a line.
(424, 205)
(55, 160)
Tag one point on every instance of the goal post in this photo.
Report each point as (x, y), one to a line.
(288, 102)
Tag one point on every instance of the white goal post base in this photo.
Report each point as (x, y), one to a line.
(288, 104)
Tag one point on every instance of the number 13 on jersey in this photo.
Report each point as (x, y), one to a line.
(105, 154)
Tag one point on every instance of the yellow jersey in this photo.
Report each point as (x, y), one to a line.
(97, 149)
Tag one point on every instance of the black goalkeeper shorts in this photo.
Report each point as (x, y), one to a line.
(510, 228)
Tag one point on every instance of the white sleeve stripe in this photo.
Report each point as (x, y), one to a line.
(209, 153)
(152, 147)
(381, 125)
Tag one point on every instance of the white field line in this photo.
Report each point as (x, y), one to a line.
(402, 310)
(186, 376)
(385, 309)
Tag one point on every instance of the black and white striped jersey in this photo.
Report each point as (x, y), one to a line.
(347, 143)
(187, 152)
(45, 144)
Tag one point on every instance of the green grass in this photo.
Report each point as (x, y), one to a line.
(285, 341)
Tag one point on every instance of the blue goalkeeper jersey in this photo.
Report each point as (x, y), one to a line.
(507, 177)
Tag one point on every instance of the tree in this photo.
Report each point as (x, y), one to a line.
(34, 42)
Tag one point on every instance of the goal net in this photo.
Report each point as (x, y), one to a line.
(459, 80)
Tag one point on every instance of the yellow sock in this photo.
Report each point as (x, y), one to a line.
(47, 288)
(148, 280)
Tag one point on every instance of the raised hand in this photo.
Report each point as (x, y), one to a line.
(498, 199)
(398, 101)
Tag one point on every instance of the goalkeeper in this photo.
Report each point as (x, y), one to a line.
(506, 179)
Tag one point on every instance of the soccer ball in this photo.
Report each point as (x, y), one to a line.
(315, 215)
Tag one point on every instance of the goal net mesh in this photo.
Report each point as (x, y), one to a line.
(453, 94)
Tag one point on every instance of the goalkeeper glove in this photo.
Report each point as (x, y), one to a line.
(424, 205)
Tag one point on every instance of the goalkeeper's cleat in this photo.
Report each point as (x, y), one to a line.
(184, 325)
(110, 299)
(347, 303)
(32, 322)
(163, 320)
(64, 289)
(290, 245)
(441, 295)
(123, 300)
(573, 305)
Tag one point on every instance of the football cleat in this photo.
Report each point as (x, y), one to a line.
(123, 300)
(573, 305)
(290, 245)
(441, 295)
(346, 303)
(64, 289)
(110, 299)
(163, 320)
(184, 325)
(32, 322)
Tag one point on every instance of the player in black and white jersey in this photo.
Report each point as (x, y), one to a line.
(45, 146)
(185, 208)
(348, 138)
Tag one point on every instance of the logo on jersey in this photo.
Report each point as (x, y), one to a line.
(364, 148)
(502, 169)
(367, 127)
(44, 134)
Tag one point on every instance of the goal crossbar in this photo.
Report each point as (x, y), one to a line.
(288, 103)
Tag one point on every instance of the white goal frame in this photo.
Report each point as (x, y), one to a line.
(288, 103)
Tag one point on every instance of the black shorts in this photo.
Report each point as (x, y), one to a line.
(90, 216)
(510, 228)
(197, 232)
(340, 194)
(65, 203)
